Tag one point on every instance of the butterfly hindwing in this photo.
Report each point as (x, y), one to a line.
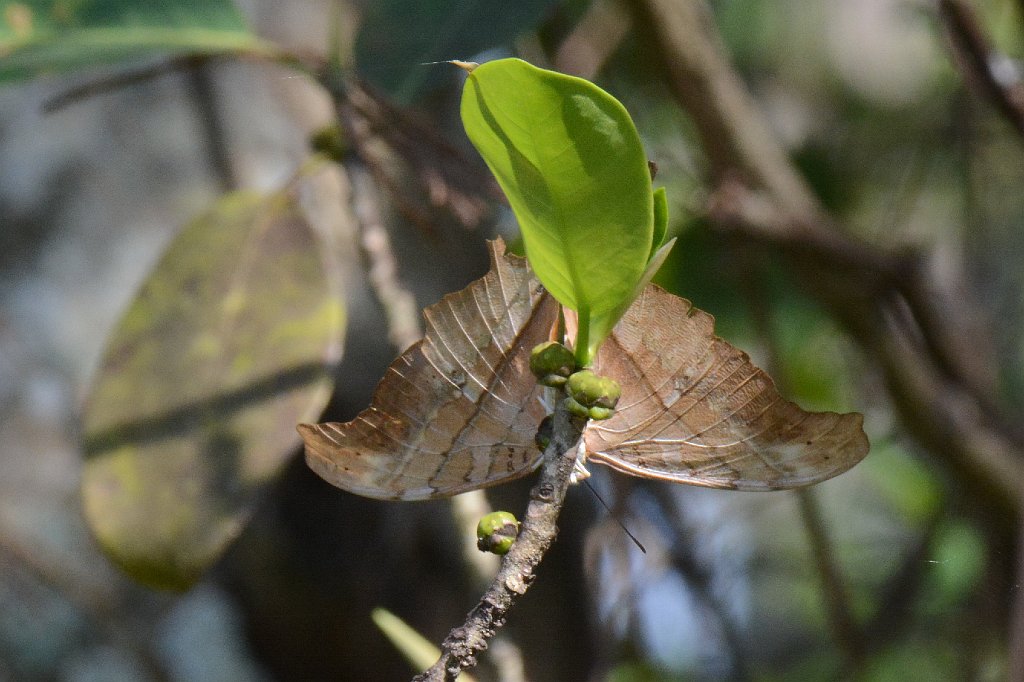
(695, 410)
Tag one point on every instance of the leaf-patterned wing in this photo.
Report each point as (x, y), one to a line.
(457, 411)
(695, 410)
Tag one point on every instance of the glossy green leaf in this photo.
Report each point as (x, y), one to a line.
(229, 344)
(571, 163)
(660, 220)
(602, 326)
(48, 36)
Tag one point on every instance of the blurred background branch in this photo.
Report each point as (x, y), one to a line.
(844, 180)
(995, 74)
(916, 328)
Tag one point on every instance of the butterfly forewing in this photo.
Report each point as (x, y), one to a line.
(460, 409)
(457, 411)
(695, 410)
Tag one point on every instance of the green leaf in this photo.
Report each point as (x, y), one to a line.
(571, 163)
(660, 219)
(228, 345)
(602, 326)
(50, 36)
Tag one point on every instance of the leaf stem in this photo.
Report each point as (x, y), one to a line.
(584, 357)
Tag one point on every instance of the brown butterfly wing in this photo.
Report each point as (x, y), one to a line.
(695, 410)
(457, 411)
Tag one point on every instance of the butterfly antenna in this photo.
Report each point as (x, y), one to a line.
(617, 520)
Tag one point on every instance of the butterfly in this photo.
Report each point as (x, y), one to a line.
(460, 409)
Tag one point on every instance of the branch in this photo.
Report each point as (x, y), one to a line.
(993, 73)
(902, 590)
(368, 123)
(847, 635)
(1016, 664)
(942, 416)
(404, 153)
(538, 531)
(737, 139)
(378, 132)
(99, 607)
(593, 40)
(467, 510)
(874, 297)
(687, 563)
(395, 299)
(893, 309)
(203, 93)
(127, 78)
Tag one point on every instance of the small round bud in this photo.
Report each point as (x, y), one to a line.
(591, 390)
(552, 363)
(496, 532)
(329, 141)
(576, 408)
(544, 432)
(598, 413)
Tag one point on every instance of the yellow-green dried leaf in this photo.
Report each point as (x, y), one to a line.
(229, 343)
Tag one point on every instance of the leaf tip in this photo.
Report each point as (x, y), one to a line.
(468, 67)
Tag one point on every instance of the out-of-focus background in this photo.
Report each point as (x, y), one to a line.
(845, 180)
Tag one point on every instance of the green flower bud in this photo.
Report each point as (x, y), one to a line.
(329, 141)
(577, 409)
(552, 363)
(591, 390)
(496, 532)
(599, 413)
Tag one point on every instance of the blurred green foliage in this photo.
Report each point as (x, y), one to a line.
(41, 37)
(229, 344)
(883, 128)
